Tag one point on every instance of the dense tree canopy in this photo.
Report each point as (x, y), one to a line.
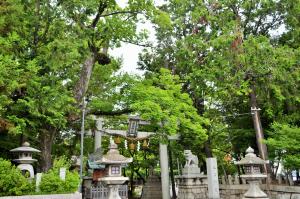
(231, 56)
(212, 62)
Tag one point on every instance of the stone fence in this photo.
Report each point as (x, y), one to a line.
(52, 196)
(234, 180)
(273, 191)
(231, 188)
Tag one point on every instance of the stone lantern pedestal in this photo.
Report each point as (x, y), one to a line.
(191, 184)
(252, 166)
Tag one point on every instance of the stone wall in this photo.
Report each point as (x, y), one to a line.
(52, 196)
(274, 191)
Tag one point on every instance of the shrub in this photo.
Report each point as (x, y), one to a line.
(12, 182)
(51, 182)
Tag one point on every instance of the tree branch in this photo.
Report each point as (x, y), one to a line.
(120, 12)
(142, 45)
(110, 113)
(101, 9)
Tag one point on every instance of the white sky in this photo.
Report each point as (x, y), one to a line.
(129, 52)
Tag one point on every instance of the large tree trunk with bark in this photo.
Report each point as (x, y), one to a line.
(46, 138)
(199, 104)
(85, 76)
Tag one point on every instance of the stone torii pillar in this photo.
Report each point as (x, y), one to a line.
(164, 170)
(98, 133)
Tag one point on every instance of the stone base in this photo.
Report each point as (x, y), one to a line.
(192, 187)
(255, 198)
(191, 171)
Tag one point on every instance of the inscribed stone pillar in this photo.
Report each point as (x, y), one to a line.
(212, 178)
(164, 169)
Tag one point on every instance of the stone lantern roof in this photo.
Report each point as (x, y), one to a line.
(251, 159)
(113, 156)
(25, 148)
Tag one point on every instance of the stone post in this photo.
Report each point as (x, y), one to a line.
(164, 169)
(38, 181)
(62, 173)
(212, 178)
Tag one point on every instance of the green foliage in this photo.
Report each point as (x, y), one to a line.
(222, 53)
(159, 99)
(51, 182)
(284, 139)
(12, 182)
(44, 46)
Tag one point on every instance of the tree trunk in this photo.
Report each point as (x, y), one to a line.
(199, 104)
(83, 83)
(208, 151)
(46, 139)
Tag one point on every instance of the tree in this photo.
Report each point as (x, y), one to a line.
(53, 48)
(227, 47)
(160, 100)
(283, 141)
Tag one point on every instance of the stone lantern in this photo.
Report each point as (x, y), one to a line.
(252, 167)
(114, 161)
(25, 158)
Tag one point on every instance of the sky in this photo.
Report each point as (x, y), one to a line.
(129, 52)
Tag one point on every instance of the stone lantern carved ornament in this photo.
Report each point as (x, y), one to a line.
(252, 167)
(114, 161)
(25, 158)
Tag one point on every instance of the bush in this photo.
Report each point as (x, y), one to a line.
(51, 182)
(12, 182)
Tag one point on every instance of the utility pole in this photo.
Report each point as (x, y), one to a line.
(81, 140)
(262, 148)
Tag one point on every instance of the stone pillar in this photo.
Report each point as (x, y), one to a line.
(38, 181)
(98, 133)
(212, 178)
(164, 169)
(62, 173)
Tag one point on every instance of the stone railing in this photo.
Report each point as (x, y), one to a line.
(231, 188)
(234, 180)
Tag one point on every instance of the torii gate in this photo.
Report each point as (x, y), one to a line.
(132, 132)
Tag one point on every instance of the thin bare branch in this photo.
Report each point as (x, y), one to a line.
(120, 12)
